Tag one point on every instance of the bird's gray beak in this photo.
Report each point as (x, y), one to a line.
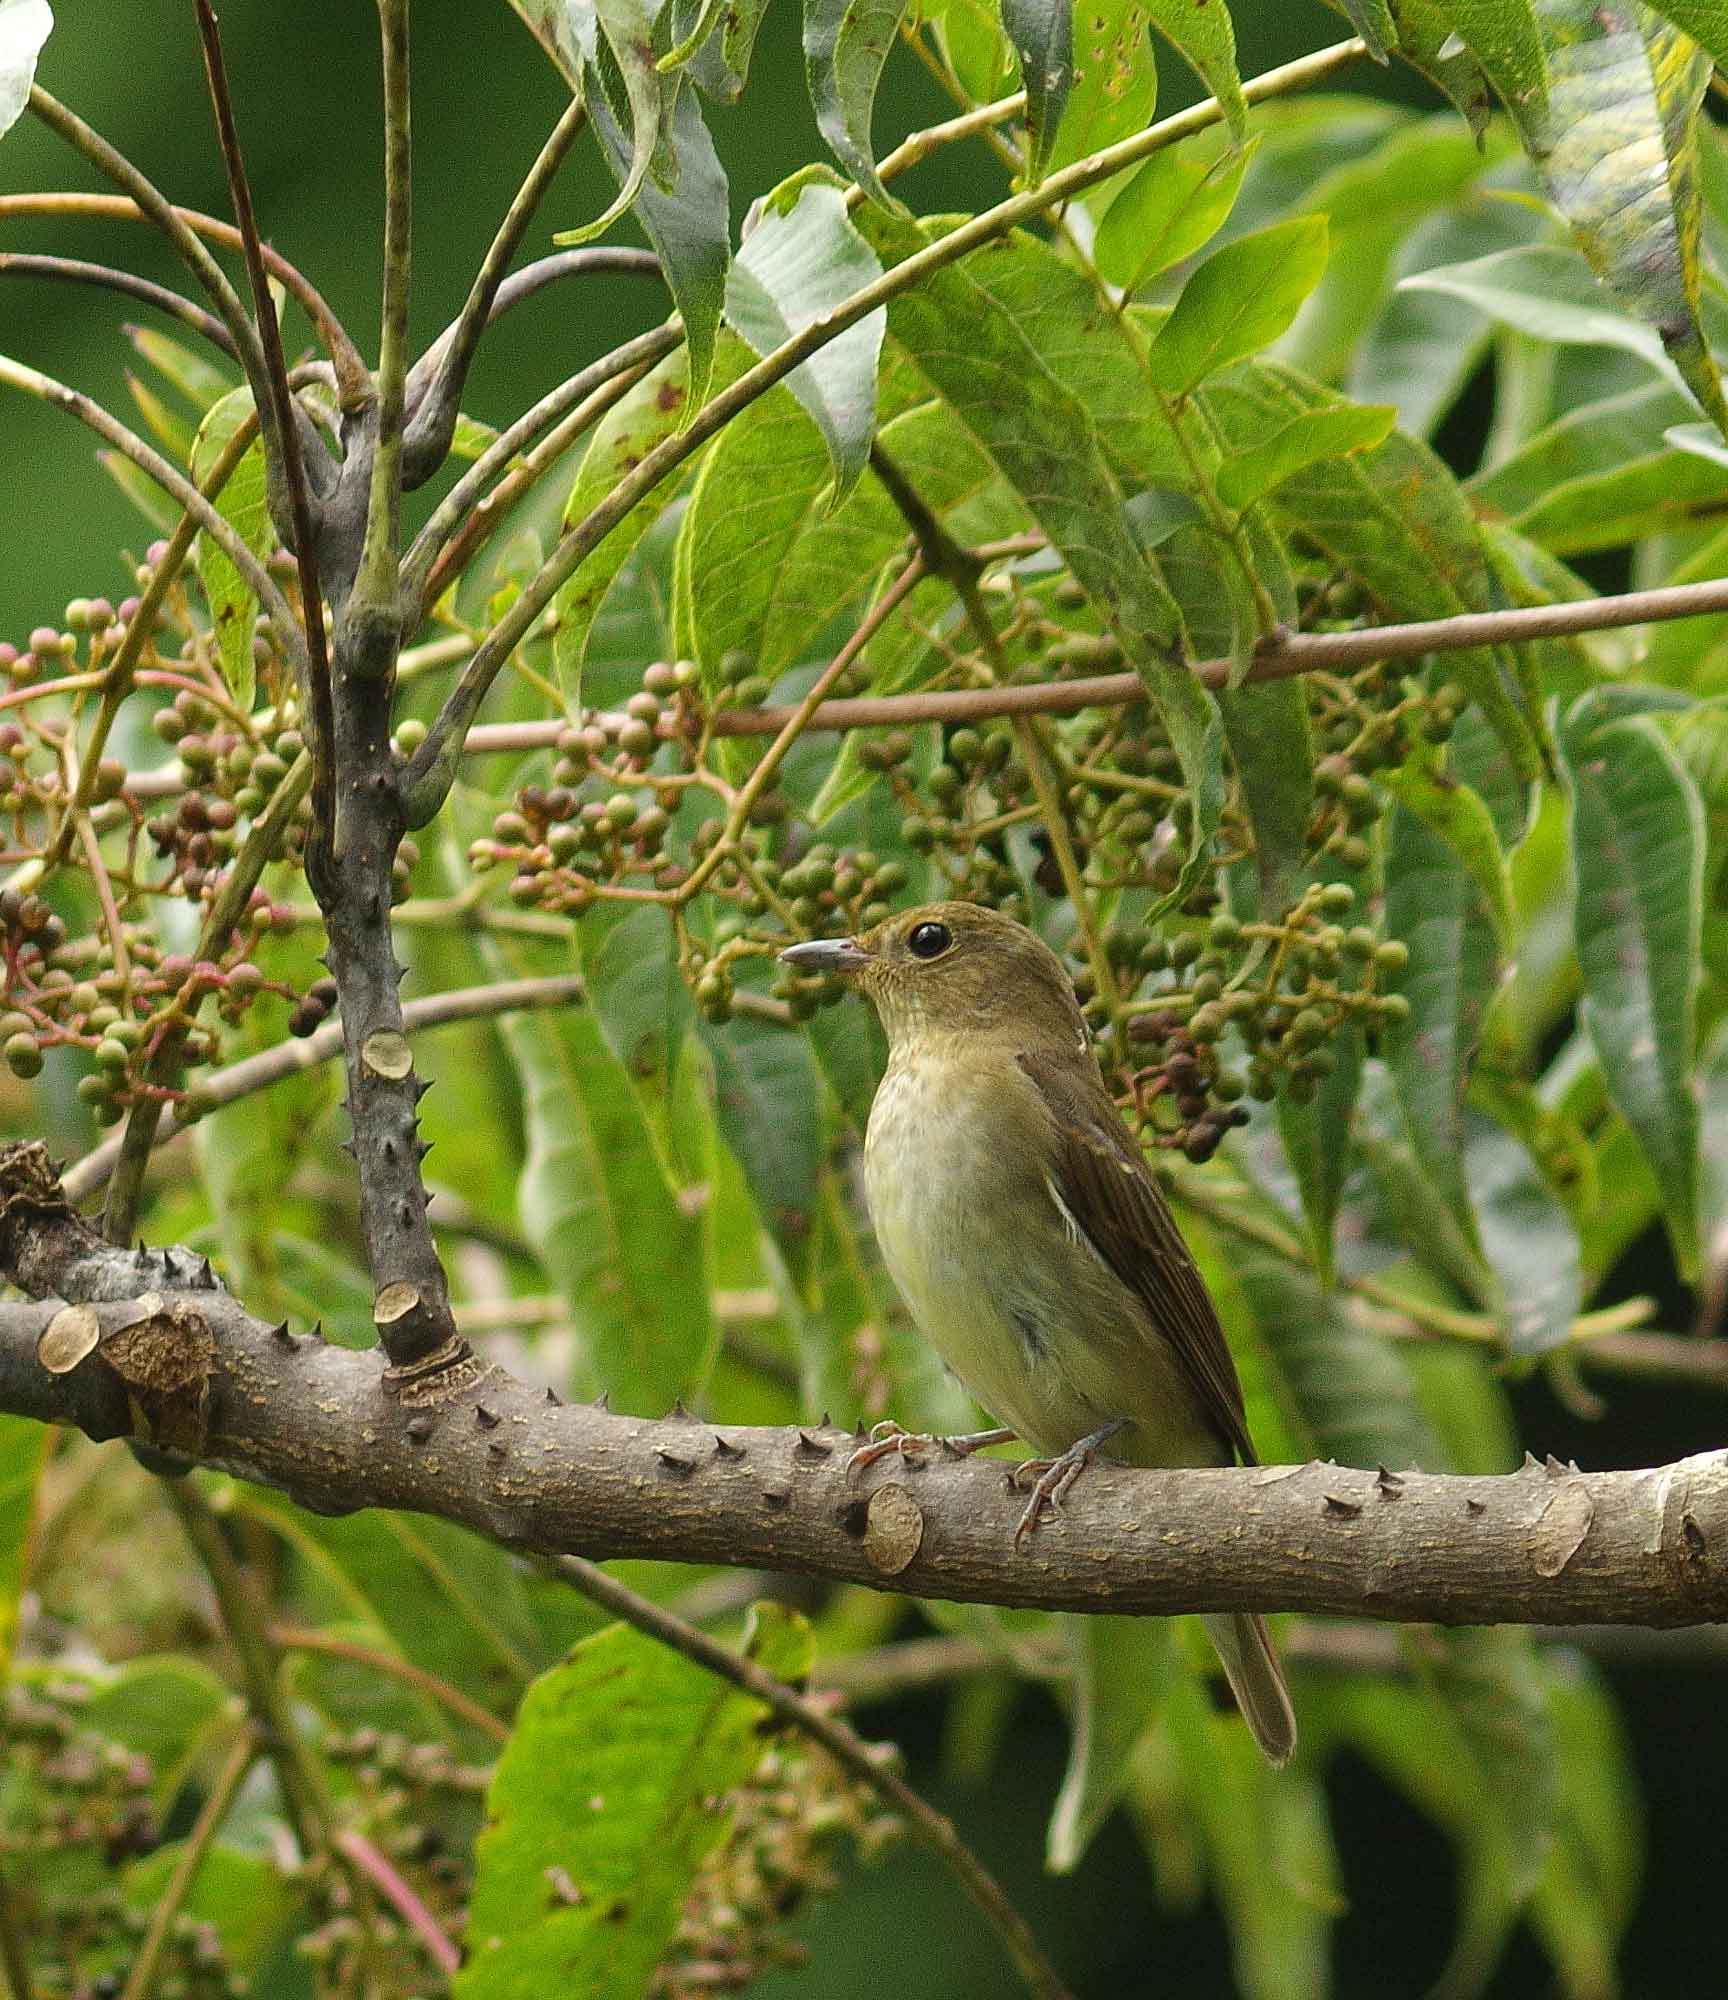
(826, 955)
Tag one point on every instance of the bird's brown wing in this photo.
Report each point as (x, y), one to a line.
(1109, 1192)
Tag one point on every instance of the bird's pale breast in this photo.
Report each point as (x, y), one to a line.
(997, 1273)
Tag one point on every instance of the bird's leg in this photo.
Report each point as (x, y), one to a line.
(1052, 1477)
(887, 1438)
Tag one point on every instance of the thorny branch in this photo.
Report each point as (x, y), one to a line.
(149, 1345)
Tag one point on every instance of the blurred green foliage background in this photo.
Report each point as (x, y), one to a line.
(305, 80)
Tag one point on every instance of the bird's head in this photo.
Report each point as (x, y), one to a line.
(953, 968)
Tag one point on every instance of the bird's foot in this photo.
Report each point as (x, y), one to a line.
(887, 1439)
(1050, 1478)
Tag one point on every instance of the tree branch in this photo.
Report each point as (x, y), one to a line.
(152, 1348)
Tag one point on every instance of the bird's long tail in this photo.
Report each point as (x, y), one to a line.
(1256, 1679)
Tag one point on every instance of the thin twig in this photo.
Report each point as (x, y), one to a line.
(432, 769)
(390, 1883)
(279, 398)
(436, 382)
(375, 594)
(78, 271)
(762, 774)
(245, 1623)
(156, 206)
(117, 677)
(172, 481)
(141, 1981)
(845, 1746)
(294, 1639)
(351, 372)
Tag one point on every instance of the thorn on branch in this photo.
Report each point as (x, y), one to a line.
(1342, 1509)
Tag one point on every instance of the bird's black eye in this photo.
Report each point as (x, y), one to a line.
(929, 940)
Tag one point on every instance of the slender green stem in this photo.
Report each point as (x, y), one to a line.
(157, 207)
(469, 493)
(142, 1980)
(428, 779)
(77, 271)
(260, 847)
(292, 1639)
(846, 1747)
(353, 379)
(117, 678)
(375, 588)
(446, 363)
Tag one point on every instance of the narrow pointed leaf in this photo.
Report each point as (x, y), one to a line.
(846, 43)
(1272, 747)
(1306, 440)
(801, 260)
(1042, 32)
(1238, 302)
(1434, 907)
(1617, 143)
(715, 41)
(1316, 1137)
(1372, 20)
(688, 222)
(242, 504)
(1172, 207)
(1637, 837)
(1121, 1667)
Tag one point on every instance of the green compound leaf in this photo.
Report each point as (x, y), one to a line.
(802, 259)
(1238, 302)
(846, 43)
(603, 1806)
(985, 363)
(242, 504)
(1637, 840)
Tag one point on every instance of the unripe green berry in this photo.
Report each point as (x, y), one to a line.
(23, 1055)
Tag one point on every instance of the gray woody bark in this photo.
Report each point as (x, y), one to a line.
(148, 1345)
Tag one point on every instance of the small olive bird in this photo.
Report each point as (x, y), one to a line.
(1019, 1220)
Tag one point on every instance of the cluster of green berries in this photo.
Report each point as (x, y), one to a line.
(232, 771)
(1274, 996)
